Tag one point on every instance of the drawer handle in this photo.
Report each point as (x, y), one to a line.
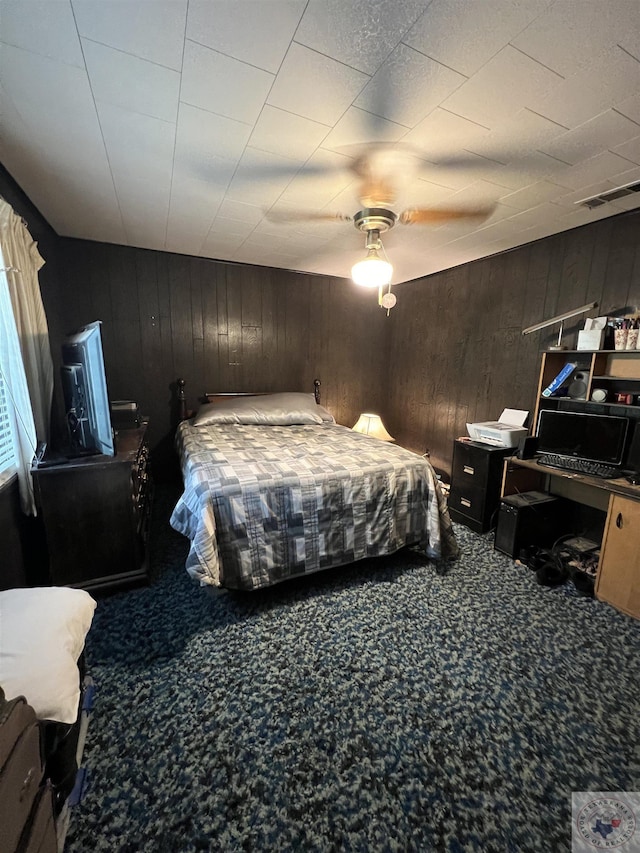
(619, 521)
(468, 469)
(465, 502)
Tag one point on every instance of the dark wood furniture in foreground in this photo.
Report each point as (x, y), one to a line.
(618, 578)
(96, 512)
(476, 475)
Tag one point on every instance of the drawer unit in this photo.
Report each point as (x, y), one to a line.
(96, 513)
(475, 483)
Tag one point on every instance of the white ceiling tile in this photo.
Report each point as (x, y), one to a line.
(47, 89)
(144, 224)
(588, 139)
(111, 72)
(360, 33)
(152, 31)
(535, 166)
(443, 132)
(408, 86)
(223, 85)
(532, 195)
(597, 168)
(426, 194)
(540, 213)
(355, 128)
(137, 144)
(516, 137)
(584, 192)
(219, 246)
(55, 103)
(629, 202)
(46, 27)
(506, 83)
(605, 82)
(570, 33)
(287, 134)
(90, 196)
(478, 193)
(260, 35)
(208, 144)
(316, 191)
(241, 212)
(233, 229)
(192, 208)
(302, 72)
(630, 149)
(261, 177)
(191, 194)
(630, 108)
(455, 32)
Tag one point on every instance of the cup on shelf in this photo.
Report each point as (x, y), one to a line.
(632, 339)
(620, 338)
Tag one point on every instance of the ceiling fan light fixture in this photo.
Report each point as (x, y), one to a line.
(373, 271)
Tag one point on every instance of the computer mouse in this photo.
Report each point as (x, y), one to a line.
(634, 478)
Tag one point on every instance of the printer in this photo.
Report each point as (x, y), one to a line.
(507, 431)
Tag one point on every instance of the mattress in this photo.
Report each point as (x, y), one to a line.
(262, 504)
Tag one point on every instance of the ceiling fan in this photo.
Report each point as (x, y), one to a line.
(381, 170)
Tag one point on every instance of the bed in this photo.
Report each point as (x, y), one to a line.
(275, 489)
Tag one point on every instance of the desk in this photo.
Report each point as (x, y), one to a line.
(618, 578)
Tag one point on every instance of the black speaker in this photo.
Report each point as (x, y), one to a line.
(578, 387)
(527, 447)
(633, 456)
(530, 518)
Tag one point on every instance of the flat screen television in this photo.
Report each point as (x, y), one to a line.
(596, 438)
(84, 385)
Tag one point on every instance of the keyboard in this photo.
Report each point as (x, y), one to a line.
(580, 466)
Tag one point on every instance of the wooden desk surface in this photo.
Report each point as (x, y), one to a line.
(619, 486)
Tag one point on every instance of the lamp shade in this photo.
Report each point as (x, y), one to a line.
(373, 271)
(372, 425)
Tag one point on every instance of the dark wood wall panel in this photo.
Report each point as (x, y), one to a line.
(224, 327)
(456, 351)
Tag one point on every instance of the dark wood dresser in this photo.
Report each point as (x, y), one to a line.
(96, 513)
(476, 478)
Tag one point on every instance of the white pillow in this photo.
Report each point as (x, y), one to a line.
(42, 634)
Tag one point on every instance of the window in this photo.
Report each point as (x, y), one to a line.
(8, 461)
(13, 388)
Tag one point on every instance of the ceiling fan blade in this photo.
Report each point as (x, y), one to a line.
(434, 216)
(306, 215)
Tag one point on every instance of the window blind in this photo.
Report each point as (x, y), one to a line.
(7, 451)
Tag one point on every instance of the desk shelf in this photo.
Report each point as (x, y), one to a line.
(614, 370)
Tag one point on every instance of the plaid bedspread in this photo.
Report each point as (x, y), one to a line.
(265, 503)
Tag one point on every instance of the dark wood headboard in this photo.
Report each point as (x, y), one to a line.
(214, 397)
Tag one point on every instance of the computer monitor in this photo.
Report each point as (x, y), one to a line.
(578, 435)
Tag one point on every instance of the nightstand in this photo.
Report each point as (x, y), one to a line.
(476, 477)
(96, 513)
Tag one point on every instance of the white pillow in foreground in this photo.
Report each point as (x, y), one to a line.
(42, 634)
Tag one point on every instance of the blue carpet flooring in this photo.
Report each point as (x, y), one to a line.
(378, 707)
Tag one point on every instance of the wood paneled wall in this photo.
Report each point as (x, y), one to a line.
(224, 327)
(457, 353)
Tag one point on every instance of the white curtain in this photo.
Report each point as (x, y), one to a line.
(21, 262)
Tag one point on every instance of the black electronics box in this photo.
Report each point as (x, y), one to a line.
(124, 414)
(530, 518)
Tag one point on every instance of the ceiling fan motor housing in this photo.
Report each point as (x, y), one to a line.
(378, 219)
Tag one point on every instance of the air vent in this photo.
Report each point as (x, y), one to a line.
(610, 195)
